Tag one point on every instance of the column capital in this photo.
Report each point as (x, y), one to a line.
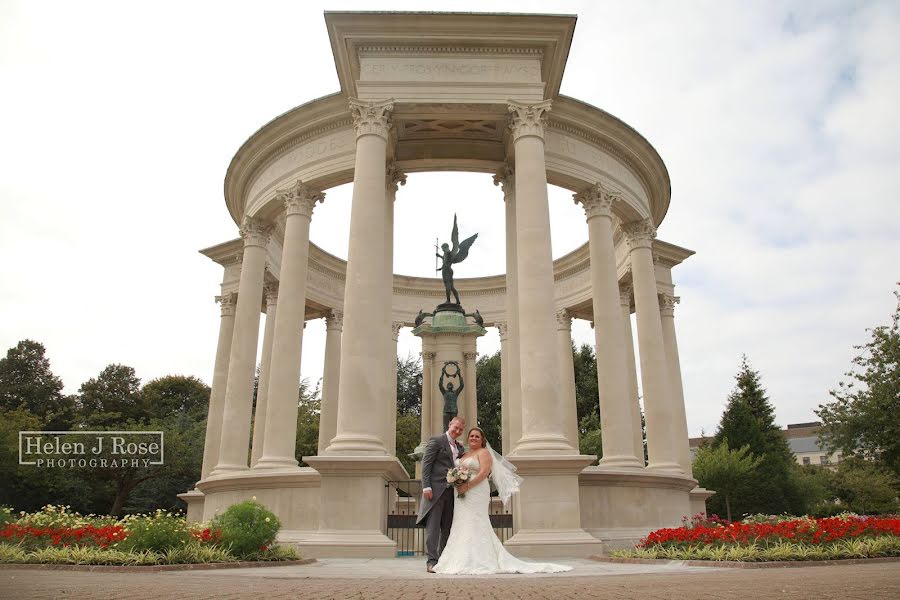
(639, 234)
(563, 320)
(396, 326)
(503, 328)
(227, 302)
(470, 356)
(255, 232)
(528, 119)
(299, 199)
(625, 296)
(270, 289)
(371, 118)
(334, 321)
(394, 178)
(667, 304)
(597, 201)
(427, 356)
(506, 179)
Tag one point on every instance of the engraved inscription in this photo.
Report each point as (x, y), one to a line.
(420, 69)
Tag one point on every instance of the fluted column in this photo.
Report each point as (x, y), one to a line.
(363, 392)
(396, 326)
(334, 324)
(235, 445)
(503, 329)
(265, 372)
(679, 424)
(280, 443)
(470, 359)
(542, 427)
(636, 428)
(612, 373)
(220, 379)
(427, 401)
(513, 410)
(658, 406)
(567, 376)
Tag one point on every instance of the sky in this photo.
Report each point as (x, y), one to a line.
(777, 122)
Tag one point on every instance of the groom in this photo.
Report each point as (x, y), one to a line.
(441, 454)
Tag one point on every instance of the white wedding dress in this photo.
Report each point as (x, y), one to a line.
(473, 548)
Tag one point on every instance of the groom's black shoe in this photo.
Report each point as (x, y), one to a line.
(430, 568)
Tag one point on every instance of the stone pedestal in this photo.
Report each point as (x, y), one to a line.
(448, 337)
(194, 501)
(699, 496)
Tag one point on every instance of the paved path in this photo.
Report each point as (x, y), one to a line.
(405, 579)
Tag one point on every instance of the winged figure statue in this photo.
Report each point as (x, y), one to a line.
(451, 256)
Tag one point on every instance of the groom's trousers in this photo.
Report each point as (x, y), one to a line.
(437, 525)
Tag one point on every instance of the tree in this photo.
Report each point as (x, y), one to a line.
(408, 437)
(27, 381)
(175, 395)
(409, 385)
(590, 438)
(587, 389)
(488, 372)
(718, 467)
(749, 421)
(309, 407)
(112, 398)
(862, 419)
(864, 487)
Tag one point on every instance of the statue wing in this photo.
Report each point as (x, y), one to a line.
(464, 249)
(454, 238)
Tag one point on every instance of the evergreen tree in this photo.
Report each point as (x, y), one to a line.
(487, 371)
(27, 381)
(749, 420)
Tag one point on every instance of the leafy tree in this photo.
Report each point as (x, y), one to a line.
(112, 398)
(409, 428)
(309, 406)
(749, 421)
(590, 438)
(488, 373)
(409, 385)
(587, 389)
(861, 420)
(176, 395)
(27, 381)
(718, 467)
(865, 488)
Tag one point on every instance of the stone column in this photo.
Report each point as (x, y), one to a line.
(504, 384)
(542, 428)
(567, 376)
(636, 428)
(427, 385)
(334, 323)
(363, 394)
(513, 411)
(470, 359)
(265, 371)
(396, 326)
(658, 405)
(220, 379)
(235, 446)
(280, 443)
(609, 334)
(679, 424)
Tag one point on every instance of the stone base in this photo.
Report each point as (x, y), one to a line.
(555, 543)
(699, 496)
(346, 544)
(194, 500)
(621, 506)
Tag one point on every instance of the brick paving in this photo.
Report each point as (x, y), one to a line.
(873, 581)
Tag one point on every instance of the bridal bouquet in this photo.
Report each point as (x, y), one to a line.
(458, 476)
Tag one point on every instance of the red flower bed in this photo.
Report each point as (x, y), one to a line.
(208, 536)
(89, 535)
(808, 531)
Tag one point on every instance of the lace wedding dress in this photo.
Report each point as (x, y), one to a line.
(473, 548)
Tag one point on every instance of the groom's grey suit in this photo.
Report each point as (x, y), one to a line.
(438, 511)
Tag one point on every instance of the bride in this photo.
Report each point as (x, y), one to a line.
(473, 548)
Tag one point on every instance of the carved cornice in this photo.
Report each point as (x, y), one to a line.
(639, 234)
(667, 304)
(299, 199)
(334, 321)
(419, 50)
(506, 179)
(597, 201)
(528, 119)
(227, 303)
(270, 289)
(255, 232)
(371, 118)
(470, 356)
(427, 357)
(563, 320)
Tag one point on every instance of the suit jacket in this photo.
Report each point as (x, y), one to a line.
(436, 461)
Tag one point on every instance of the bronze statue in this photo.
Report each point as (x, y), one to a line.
(449, 393)
(420, 318)
(479, 320)
(451, 256)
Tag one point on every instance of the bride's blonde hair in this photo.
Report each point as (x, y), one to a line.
(480, 431)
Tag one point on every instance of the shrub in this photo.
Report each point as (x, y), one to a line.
(247, 528)
(158, 532)
(6, 516)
